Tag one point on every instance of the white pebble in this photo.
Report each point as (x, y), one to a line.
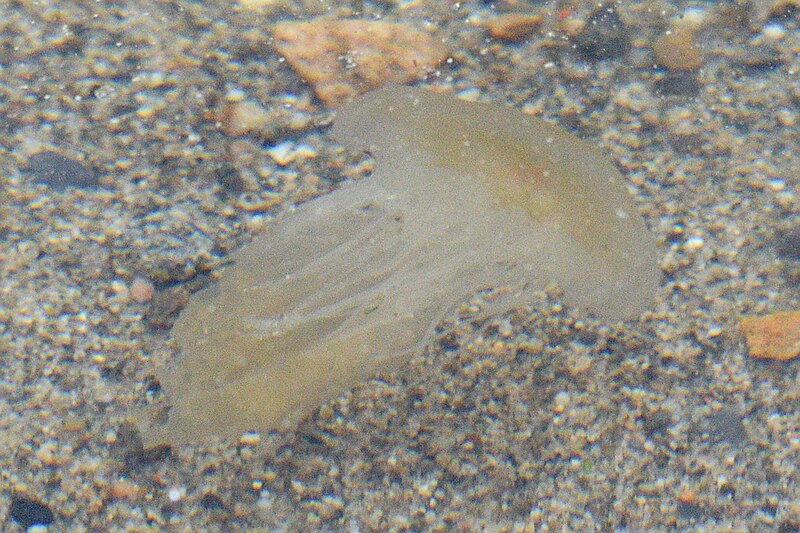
(470, 95)
(694, 243)
(235, 95)
(561, 401)
(176, 494)
(286, 152)
(774, 31)
(695, 17)
(250, 439)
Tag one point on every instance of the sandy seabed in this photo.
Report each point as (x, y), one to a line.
(542, 418)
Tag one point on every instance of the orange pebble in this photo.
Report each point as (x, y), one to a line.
(142, 290)
(774, 336)
(124, 490)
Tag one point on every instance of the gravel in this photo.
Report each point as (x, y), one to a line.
(538, 418)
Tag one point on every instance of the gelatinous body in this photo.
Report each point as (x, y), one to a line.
(464, 197)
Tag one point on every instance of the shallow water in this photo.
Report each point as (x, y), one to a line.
(184, 134)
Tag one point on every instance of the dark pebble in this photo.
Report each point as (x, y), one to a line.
(677, 84)
(656, 423)
(450, 342)
(230, 179)
(727, 489)
(726, 425)
(760, 59)
(165, 306)
(28, 513)
(59, 172)
(780, 12)
(135, 460)
(212, 502)
(153, 386)
(604, 36)
(690, 510)
(788, 241)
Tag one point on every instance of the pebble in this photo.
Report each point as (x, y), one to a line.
(604, 36)
(470, 95)
(124, 490)
(694, 18)
(678, 83)
(677, 50)
(343, 58)
(239, 118)
(176, 494)
(784, 9)
(513, 27)
(28, 512)
(262, 4)
(253, 202)
(693, 244)
(59, 171)
(212, 502)
(48, 454)
(774, 336)
(789, 244)
(250, 439)
(141, 290)
(287, 152)
(774, 31)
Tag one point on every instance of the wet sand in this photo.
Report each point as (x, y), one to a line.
(541, 418)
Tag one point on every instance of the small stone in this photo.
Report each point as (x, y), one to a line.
(760, 58)
(262, 4)
(47, 453)
(513, 26)
(59, 171)
(124, 490)
(165, 306)
(212, 502)
(561, 401)
(344, 58)
(604, 35)
(693, 244)
(679, 83)
(254, 202)
(28, 512)
(287, 152)
(250, 439)
(240, 118)
(774, 31)
(726, 425)
(326, 509)
(427, 489)
(230, 179)
(694, 18)
(775, 336)
(176, 494)
(784, 9)
(141, 290)
(789, 244)
(677, 50)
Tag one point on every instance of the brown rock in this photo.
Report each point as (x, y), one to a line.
(124, 490)
(677, 50)
(242, 117)
(513, 26)
(343, 58)
(775, 336)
